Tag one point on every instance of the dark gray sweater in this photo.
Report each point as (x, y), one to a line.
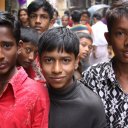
(76, 107)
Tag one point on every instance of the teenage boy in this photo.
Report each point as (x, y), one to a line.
(72, 104)
(24, 103)
(40, 15)
(28, 51)
(109, 80)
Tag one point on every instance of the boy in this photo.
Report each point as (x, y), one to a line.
(40, 15)
(72, 104)
(110, 79)
(24, 103)
(84, 52)
(28, 50)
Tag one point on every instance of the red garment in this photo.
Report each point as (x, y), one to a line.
(24, 103)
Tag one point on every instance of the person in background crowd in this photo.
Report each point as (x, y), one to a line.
(72, 104)
(100, 45)
(23, 17)
(109, 80)
(84, 53)
(65, 21)
(77, 27)
(85, 19)
(28, 50)
(24, 103)
(40, 16)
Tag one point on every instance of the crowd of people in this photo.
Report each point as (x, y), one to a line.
(64, 72)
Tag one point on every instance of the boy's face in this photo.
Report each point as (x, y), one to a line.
(118, 38)
(85, 48)
(26, 54)
(23, 16)
(58, 68)
(40, 20)
(8, 52)
(65, 21)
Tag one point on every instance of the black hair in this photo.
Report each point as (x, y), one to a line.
(115, 12)
(29, 35)
(37, 4)
(76, 15)
(85, 12)
(8, 20)
(60, 38)
(97, 16)
(84, 35)
(20, 10)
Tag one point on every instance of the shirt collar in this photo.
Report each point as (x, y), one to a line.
(17, 80)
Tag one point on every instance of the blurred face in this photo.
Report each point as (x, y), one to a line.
(58, 68)
(84, 19)
(8, 52)
(40, 20)
(118, 38)
(27, 53)
(65, 20)
(23, 16)
(85, 48)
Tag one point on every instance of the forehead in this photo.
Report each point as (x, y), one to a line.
(121, 23)
(40, 11)
(85, 40)
(30, 44)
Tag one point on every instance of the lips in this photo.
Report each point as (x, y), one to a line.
(3, 66)
(57, 79)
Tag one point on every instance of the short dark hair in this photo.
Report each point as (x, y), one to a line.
(8, 20)
(76, 15)
(29, 35)
(115, 12)
(84, 35)
(97, 16)
(60, 38)
(85, 12)
(37, 4)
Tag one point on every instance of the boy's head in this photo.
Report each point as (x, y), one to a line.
(117, 36)
(85, 17)
(28, 47)
(40, 15)
(76, 15)
(85, 44)
(65, 20)
(9, 38)
(58, 52)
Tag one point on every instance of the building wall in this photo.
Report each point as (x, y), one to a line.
(2, 5)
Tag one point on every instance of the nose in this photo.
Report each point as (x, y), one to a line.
(1, 54)
(31, 56)
(38, 19)
(57, 68)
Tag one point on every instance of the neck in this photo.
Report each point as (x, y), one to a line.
(4, 79)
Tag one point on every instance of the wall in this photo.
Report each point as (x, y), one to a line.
(2, 5)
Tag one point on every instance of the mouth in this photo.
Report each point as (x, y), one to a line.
(57, 78)
(3, 66)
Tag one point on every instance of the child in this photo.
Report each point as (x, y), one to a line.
(28, 50)
(84, 52)
(72, 104)
(24, 103)
(109, 80)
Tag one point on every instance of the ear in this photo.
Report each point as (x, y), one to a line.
(20, 45)
(76, 62)
(107, 36)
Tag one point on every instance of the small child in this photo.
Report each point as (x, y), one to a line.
(84, 53)
(72, 104)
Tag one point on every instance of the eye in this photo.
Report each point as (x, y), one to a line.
(33, 16)
(120, 34)
(43, 17)
(28, 50)
(66, 60)
(6, 45)
(48, 60)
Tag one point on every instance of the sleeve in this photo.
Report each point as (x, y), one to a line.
(41, 111)
(100, 118)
